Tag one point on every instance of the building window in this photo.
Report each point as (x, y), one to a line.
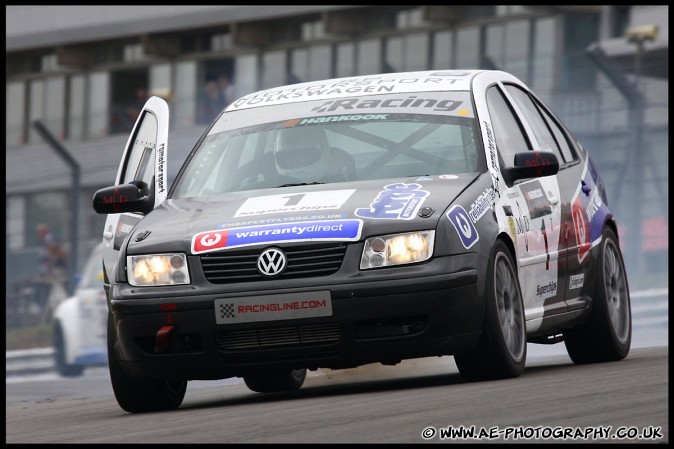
(245, 75)
(468, 48)
(369, 57)
(273, 69)
(35, 107)
(55, 100)
(15, 131)
(76, 104)
(98, 97)
(129, 90)
(577, 69)
(16, 213)
(442, 50)
(183, 113)
(543, 60)
(407, 53)
(345, 66)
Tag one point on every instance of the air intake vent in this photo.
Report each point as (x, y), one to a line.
(303, 261)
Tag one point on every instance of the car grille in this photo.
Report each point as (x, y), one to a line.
(278, 337)
(303, 261)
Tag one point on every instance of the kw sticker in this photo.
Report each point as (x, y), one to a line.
(397, 201)
(464, 227)
(329, 230)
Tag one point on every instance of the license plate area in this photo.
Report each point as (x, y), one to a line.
(284, 306)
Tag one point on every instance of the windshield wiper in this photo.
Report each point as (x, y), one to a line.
(301, 184)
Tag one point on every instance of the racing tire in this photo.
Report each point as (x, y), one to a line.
(62, 366)
(276, 382)
(139, 395)
(607, 334)
(502, 349)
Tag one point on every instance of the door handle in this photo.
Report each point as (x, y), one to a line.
(107, 235)
(553, 200)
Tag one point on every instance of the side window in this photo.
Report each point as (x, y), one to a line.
(562, 140)
(140, 163)
(508, 134)
(538, 125)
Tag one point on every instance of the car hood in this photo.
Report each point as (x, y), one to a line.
(325, 212)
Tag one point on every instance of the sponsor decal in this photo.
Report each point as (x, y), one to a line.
(492, 157)
(115, 199)
(396, 102)
(482, 204)
(342, 118)
(273, 307)
(513, 194)
(508, 211)
(124, 226)
(464, 227)
(328, 230)
(539, 205)
(357, 85)
(448, 177)
(297, 202)
(594, 204)
(160, 168)
(523, 226)
(399, 201)
(581, 230)
(546, 290)
(272, 220)
(576, 281)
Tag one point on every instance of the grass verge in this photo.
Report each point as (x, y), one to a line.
(29, 337)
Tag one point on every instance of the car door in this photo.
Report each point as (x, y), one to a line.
(532, 209)
(144, 159)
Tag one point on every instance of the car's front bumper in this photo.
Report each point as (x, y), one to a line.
(430, 309)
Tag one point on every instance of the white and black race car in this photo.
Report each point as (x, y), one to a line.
(349, 221)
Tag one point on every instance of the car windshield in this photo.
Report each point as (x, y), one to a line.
(346, 140)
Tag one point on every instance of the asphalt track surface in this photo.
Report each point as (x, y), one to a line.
(369, 404)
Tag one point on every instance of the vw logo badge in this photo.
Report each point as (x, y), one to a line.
(271, 262)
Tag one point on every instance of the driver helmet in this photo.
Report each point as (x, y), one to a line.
(302, 153)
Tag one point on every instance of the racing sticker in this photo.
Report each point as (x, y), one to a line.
(576, 281)
(124, 226)
(294, 202)
(399, 201)
(464, 227)
(482, 204)
(536, 199)
(329, 230)
(284, 306)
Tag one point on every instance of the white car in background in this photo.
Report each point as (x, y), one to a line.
(80, 323)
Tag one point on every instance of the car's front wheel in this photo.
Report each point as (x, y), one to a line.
(502, 350)
(60, 360)
(274, 382)
(137, 395)
(607, 334)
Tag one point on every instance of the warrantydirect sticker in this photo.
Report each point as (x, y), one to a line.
(329, 230)
(399, 201)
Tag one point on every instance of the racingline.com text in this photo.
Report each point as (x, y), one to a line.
(542, 432)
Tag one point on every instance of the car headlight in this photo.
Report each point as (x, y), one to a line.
(397, 249)
(157, 269)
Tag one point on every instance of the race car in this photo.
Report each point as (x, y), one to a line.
(369, 219)
(80, 322)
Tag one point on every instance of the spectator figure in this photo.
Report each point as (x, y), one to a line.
(211, 103)
(226, 90)
(53, 264)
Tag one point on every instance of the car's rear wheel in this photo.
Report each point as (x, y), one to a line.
(60, 349)
(274, 382)
(502, 350)
(137, 395)
(607, 334)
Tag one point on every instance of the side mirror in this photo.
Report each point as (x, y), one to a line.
(531, 164)
(133, 197)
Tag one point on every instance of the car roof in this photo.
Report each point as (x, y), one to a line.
(401, 82)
